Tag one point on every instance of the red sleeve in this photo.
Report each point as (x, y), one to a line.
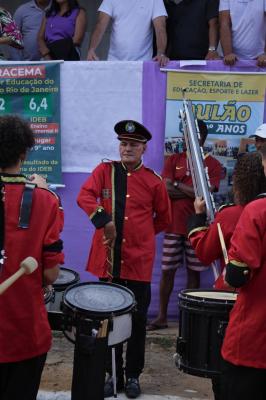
(52, 254)
(206, 242)
(247, 241)
(168, 169)
(161, 208)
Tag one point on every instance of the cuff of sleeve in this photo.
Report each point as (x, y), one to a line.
(100, 218)
(196, 222)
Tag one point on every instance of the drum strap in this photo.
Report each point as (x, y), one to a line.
(25, 206)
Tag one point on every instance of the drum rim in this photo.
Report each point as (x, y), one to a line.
(60, 287)
(100, 314)
(207, 300)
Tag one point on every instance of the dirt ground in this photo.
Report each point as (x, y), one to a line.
(160, 376)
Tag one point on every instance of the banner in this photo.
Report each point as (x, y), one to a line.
(231, 104)
(32, 91)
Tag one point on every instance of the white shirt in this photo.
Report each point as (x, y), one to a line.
(132, 34)
(248, 26)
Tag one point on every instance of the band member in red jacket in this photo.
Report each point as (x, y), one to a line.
(30, 223)
(244, 346)
(128, 205)
(248, 182)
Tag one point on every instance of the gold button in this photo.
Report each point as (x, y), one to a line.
(124, 240)
(122, 261)
(126, 218)
(128, 195)
(128, 174)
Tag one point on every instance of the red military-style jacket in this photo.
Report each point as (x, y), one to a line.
(205, 239)
(24, 327)
(138, 203)
(245, 339)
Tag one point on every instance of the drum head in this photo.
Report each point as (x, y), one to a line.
(208, 295)
(99, 299)
(65, 278)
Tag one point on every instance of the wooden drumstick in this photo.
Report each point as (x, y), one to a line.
(222, 242)
(27, 266)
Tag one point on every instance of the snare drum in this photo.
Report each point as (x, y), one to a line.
(97, 301)
(66, 278)
(204, 316)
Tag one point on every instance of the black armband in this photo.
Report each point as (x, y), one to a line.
(55, 247)
(100, 218)
(196, 222)
(237, 274)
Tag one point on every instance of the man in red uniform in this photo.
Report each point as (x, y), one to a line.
(244, 346)
(177, 176)
(30, 223)
(128, 204)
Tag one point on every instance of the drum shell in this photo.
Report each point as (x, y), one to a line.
(60, 288)
(120, 321)
(202, 325)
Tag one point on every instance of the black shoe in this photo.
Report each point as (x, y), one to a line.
(109, 387)
(132, 388)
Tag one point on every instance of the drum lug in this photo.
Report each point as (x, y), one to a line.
(180, 350)
(222, 327)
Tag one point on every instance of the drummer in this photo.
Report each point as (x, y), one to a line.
(30, 222)
(248, 182)
(244, 346)
(128, 204)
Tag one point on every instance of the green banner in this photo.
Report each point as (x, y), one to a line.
(32, 91)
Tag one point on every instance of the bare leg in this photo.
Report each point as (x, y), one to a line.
(166, 287)
(193, 279)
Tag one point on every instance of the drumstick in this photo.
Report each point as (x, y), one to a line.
(222, 242)
(27, 266)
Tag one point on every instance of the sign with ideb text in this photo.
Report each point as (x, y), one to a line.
(32, 91)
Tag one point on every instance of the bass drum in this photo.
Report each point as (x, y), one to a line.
(99, 301)
(204, 316)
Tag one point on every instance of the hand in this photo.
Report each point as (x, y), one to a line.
(47, 57)
(162, 59)
(261, 60)
(230, 59)
(199, 205)
(38, 180)
(109, 234)
(212, 55)
(92, 56)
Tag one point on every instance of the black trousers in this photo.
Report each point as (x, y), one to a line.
(21, 380)
(242, 383)
(135, 353)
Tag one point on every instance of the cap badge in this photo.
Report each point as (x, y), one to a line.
(130, 127)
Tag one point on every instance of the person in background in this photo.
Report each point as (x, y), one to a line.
(31, 220)
(128, 204)
(62, 31)
(176, 246)
(28, 18)
(10, 35)
(259, 140)
(243, 30)
(244, 345)
(132, 33)
(192, 29)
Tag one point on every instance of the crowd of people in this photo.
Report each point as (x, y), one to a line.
(182, 30)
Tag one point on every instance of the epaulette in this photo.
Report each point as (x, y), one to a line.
(106, 160)
(261, 196)
(223, 206)
(155, 173)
